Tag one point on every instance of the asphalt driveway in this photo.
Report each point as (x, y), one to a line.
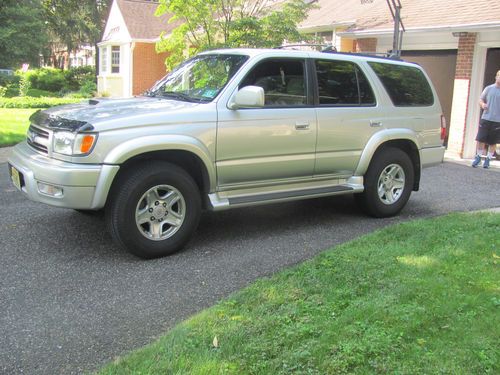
(71, 300)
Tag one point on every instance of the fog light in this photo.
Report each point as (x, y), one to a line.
(54, 191)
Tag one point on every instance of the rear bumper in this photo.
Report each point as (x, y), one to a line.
(84, 186)
(431, 156)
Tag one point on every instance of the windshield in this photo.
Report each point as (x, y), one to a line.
(199, 79)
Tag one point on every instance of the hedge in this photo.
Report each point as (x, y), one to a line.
(30, 102)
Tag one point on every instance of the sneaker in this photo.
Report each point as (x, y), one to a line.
(477, 161)
(486, 164)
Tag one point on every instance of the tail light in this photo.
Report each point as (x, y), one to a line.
(443, 128)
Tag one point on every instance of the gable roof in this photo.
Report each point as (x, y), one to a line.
(415, 14)
(140, 19)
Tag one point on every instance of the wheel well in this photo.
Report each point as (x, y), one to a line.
(411, 150)
(188, 161)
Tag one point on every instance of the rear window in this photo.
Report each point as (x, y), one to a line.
(406, 85)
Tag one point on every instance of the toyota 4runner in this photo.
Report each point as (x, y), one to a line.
(233, 128)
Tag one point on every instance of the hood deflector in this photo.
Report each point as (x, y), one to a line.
(59, 123)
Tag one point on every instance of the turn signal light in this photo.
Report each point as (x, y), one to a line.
(87, 143)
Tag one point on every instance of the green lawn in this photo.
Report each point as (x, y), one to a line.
(13, 125)
(421, 297)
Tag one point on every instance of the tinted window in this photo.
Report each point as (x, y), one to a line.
(342, 83)
(406, 85)
(283, 82)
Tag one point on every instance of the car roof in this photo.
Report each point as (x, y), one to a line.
(282, 52)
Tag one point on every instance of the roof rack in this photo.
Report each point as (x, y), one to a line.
(328, 48)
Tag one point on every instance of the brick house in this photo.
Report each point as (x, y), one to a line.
(456, 41)
(128, 62)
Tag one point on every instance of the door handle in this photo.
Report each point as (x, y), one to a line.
(375, 124)
(301, 125)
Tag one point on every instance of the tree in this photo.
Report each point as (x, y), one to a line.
(23, 36)
(208, 24)
(77, 22)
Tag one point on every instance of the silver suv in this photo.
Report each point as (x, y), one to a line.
(233, 128)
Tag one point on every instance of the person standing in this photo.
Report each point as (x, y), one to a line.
(488, 133)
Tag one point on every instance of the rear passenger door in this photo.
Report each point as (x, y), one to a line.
(347, 113)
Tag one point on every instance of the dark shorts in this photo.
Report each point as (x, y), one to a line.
(488, 132)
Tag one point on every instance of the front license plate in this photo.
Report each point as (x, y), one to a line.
(14, 175)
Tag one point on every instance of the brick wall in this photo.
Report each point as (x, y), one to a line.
(465, 54)
(461, 93)
(366, 45)
(148, 67)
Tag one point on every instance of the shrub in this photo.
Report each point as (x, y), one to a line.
(6, 80)
(49, 79)
(77, 77)
(88, 89)
(3, 90)
(24, 86)
(29, 102)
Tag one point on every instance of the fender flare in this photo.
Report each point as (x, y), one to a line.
(377, 140)
(137, 146)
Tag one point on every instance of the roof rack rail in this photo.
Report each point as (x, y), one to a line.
(381, 55)
(326, 47)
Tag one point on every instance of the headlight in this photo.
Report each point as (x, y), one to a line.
(71, 144)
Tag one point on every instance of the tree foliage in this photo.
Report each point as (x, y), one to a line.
(23, 34)
(209, 24)
(76, 22)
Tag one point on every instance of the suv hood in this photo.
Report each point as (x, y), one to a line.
(86, 116)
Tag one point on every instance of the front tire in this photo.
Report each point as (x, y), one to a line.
(154, 210)
(388, 183)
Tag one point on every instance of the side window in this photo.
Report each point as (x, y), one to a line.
(115, 59)
(342, 83)
(406, 85)
(283, 82)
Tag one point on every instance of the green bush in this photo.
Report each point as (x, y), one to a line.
(78, 77)
(29, 102)
(3, 90)
(6, 80)
(24, 86)
(49, 79)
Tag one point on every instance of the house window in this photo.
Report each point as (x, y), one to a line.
(104, 59)
(115, 59)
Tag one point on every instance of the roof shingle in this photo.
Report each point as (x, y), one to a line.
(416, 14)
(141, 21)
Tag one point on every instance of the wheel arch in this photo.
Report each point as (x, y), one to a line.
(188, 161)
(403, 139)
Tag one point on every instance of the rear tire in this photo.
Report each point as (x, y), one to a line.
(154, 209)
(388, 183)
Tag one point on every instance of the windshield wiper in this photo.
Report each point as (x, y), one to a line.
(176, 95)
(181, 96)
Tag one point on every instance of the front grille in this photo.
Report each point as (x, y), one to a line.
(38, 139)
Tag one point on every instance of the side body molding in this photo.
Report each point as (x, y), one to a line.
(142, 145)
(377, 140)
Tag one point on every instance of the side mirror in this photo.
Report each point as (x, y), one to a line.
(248, 97)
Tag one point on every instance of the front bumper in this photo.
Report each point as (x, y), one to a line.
(84, 186)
